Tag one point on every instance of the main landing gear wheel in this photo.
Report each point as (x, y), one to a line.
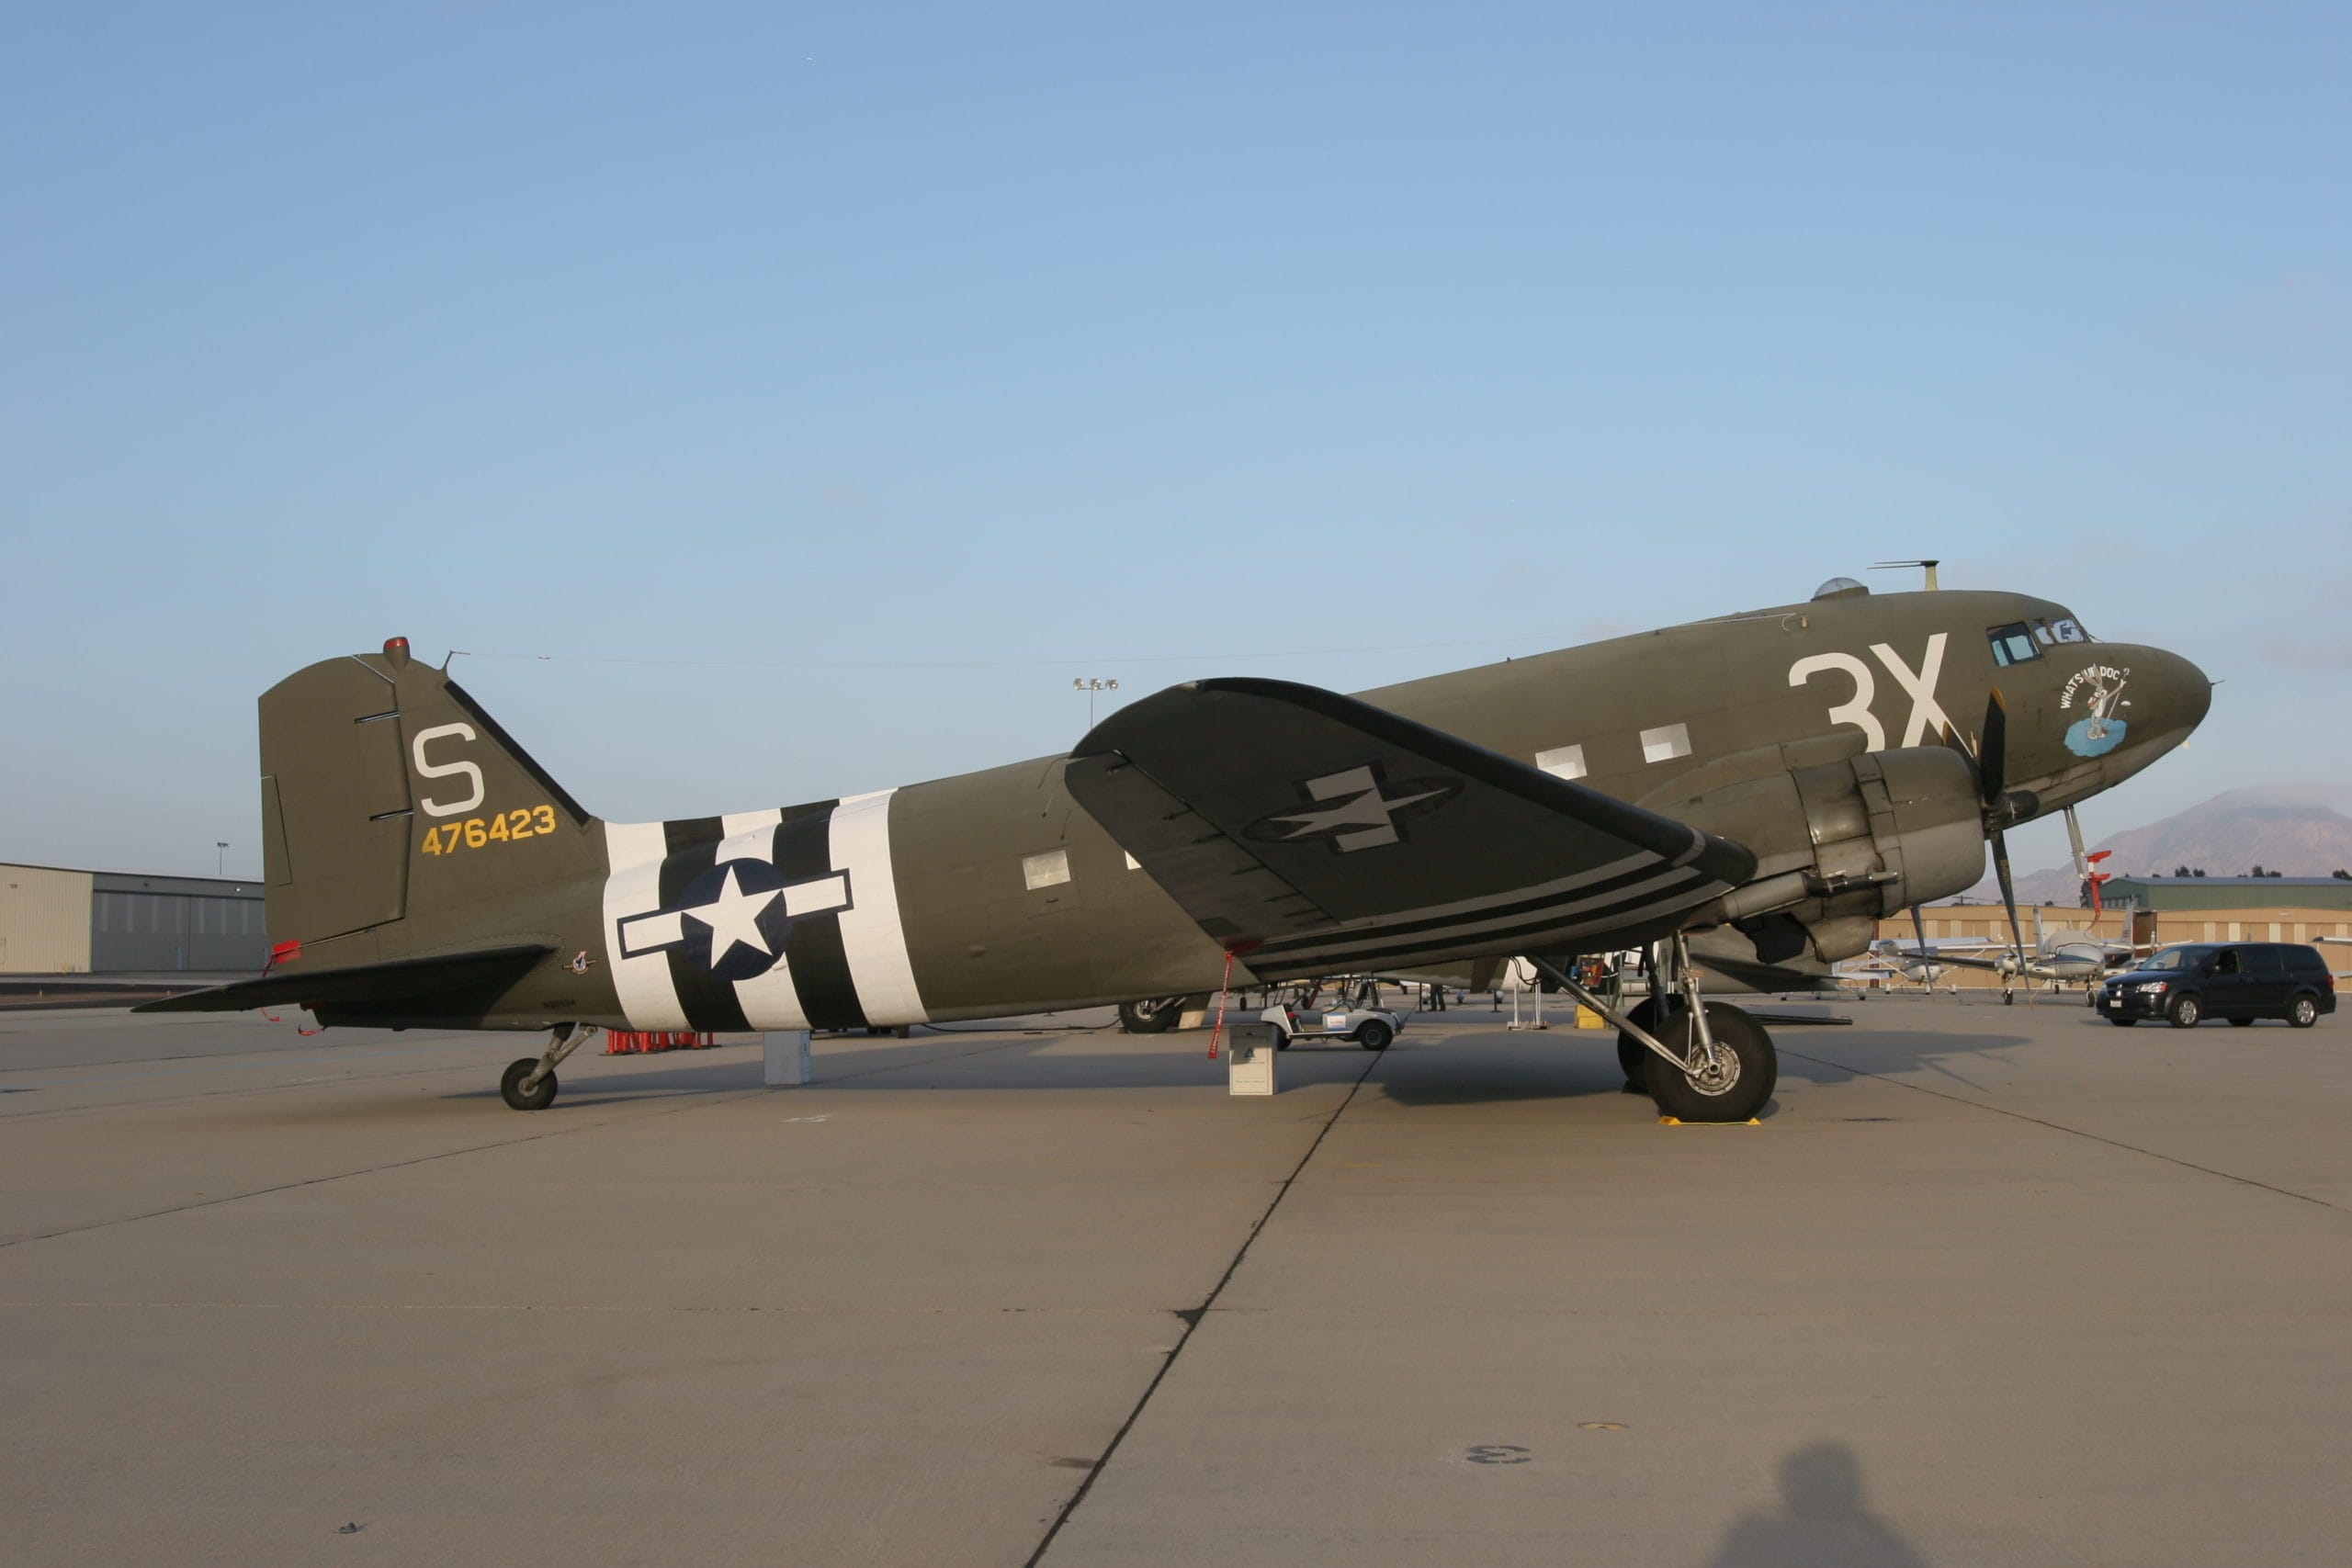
(1153, 1015)
(2186, 1012)
(509, 1087)
(1746, 1068)
(1633, 1056)
(1374, 1036)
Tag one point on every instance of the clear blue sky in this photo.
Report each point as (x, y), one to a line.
(1144, 344)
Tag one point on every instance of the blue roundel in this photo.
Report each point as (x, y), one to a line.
(2093, 737)
(735, 924)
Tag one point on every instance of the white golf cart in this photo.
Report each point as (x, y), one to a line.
(1372, 1028)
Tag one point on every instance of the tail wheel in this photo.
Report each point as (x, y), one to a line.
(2186, 1012)
(1741, 1081)
(1153, 1015)
(2304, 1014)
(510, 1086)
(1375, 1035)
(1633, 1056)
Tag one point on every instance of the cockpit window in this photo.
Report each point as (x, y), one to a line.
(2050, 633)
(2012, 644)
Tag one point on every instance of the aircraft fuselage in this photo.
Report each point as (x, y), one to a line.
(995, 892)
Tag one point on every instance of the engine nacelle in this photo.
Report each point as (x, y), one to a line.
(1840, 844)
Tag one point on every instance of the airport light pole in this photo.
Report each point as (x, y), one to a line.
(221, 859)
(1090, 685)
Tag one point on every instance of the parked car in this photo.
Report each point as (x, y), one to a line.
(2241, 981)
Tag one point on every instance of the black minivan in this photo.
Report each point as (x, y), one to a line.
(2237, 980)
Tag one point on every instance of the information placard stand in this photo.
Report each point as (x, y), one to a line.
(1249, 1064)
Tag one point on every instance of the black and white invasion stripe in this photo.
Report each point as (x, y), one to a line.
(1624, 895)
(840, 967)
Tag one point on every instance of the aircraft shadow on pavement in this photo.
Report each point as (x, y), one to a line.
(984, 1064)
(1821, 1521)
(1488, 1066)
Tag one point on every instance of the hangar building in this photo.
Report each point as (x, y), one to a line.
(2163, 893)
(55, 920)
(2148, 910)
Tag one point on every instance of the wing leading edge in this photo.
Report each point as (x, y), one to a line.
(1310, 833)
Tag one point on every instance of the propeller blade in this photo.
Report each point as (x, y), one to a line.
(2008, 894)
(1993, 750)
(1919, 931)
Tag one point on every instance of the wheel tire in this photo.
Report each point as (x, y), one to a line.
(2123, 1023)
(2186, 1012)
(2303, 1012)
(2241, 1023)
(1753, 1069)
(1152, 1015)
(1634, 1056)
(510, 1086)
(1375, 1035)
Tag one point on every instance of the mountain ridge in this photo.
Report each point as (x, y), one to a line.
(2302, 829)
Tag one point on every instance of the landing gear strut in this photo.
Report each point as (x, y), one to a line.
(1714, 1063)
(528, 1083)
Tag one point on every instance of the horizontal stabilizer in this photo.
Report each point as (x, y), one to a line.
(1311, 833)
(399, 984)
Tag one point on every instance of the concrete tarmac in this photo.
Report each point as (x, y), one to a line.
(1987, 1285)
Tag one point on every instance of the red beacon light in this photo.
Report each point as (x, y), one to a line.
(396, 650)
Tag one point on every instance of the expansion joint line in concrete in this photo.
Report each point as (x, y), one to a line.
(2071, 1132)
(1194, 1316)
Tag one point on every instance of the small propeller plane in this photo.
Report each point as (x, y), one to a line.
(1746, 795)
(1919, 966)
(2056, 957)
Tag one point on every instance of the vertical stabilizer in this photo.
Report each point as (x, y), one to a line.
(394, 808)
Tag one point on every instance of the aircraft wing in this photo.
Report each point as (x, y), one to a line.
(1997, 959)
(1311, 833)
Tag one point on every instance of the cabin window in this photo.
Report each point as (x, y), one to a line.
(1048, 870)
(2012, 644)
(1666, 743)
(1561, 761)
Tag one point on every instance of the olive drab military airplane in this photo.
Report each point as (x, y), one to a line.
(1746, 795)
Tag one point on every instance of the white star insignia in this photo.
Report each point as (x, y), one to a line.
(733, 916)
